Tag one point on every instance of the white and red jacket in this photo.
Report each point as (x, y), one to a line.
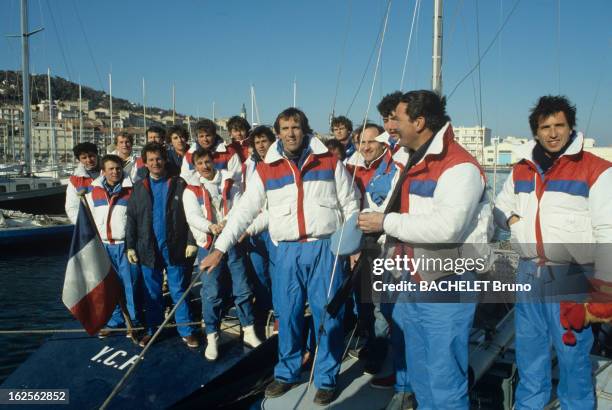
(304, 204)
(260, 223)
(242, 148)
(224, 157)
(443, 201)
(79, 182)
(110, 212)
(364, 173)
(131, 165)
(248, 169)
(570, 204)
(208, 202)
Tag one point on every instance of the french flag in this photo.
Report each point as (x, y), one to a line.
(91, 286)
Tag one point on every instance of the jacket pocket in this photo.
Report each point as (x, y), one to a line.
(570, 238)
(326, 217)
(282, 223)
(518, 240)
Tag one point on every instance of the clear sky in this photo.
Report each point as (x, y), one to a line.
(213, 51)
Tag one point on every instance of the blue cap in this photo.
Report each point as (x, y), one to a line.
(351, 238)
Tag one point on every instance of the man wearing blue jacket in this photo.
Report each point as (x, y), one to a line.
(157, 238)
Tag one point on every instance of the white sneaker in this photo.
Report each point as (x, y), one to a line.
(250, 338)
(212, 340)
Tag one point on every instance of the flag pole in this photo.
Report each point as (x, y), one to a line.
(161, 327)
(122, 305)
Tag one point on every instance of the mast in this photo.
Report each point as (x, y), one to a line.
(144, 107)
(252, 104)
(12, 134)
(173, 105)
(256, 108)
(25, 82)
(53, 142)
(495, 168)
(80, 115)
(110, 97)
(436, 78)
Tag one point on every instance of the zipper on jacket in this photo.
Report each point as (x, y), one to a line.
(297, 176)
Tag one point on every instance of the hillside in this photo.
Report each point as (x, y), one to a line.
(64, 90)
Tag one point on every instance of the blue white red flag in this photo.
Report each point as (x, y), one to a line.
(91, 286)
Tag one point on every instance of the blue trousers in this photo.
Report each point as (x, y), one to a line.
(430, 348)
(234, 263)
(129, 275)
(303, 272)
(538, 327)
(378, 329)
(178, 281)
(263, 264)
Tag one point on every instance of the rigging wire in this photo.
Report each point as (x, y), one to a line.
(44, 35)
(336, 257)
(479, 72)
(599, 82)
(348, 26)
(365, 71)
(91, 55)
(59, 42)
(418, 45)
(417, 4)
(499, 71)
(468, 52)
(559, 46)
(453, 24)
(486, 50)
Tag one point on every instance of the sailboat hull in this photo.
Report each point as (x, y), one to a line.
(39, 201)
(170, 375)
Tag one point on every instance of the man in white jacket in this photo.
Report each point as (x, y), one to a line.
(208, 201)
(375, 172)
(85, 172)
(557, 203)
(132, 163)
(261, 249)
(225, 156)
(438, 207)
(108, 201)
(309, 194)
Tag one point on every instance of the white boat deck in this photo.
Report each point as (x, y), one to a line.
(354, 392)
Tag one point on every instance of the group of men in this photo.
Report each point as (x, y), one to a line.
(262, 210)
(154, 210)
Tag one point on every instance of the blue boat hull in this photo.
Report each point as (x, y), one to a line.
(17, 236)
(170, 375)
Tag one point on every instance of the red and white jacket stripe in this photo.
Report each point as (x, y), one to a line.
(79, 181)
(364, 173)
(304, 204)
(110, 212)
(209, 202)
(224, 157)
(570, 204)
(242, 148)
(443, 199)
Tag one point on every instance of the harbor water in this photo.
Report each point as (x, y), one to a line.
(30, 298)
